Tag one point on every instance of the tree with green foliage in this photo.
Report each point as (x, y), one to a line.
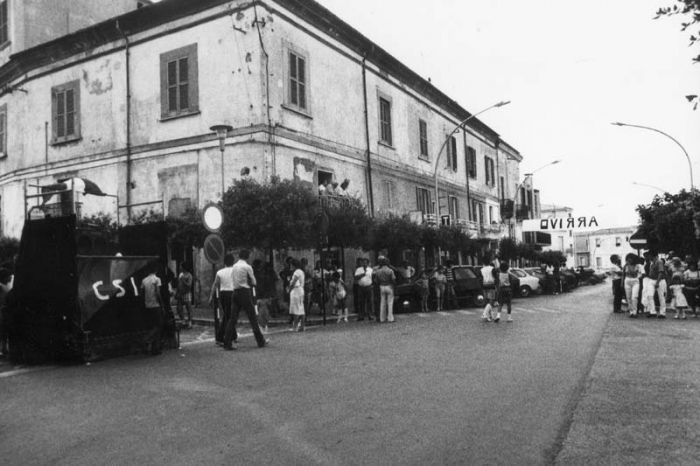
(690, 9)
(395, 234)
(348, 222)
(668, 222)
(275, 215)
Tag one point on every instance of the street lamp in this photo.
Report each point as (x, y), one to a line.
(649, 186)
(221, 133)
(442, 148)
(528, 175)
(690, 164)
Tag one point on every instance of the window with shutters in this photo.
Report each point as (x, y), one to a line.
(454, 207)
(65, 112)
(4, 32)
(490, 171)
(423, 200)
(389, 194)
(385, 135)
(179, 90)
(297, 80)
(471, 162)
(452, 153)
(423, 135)
(3, 131)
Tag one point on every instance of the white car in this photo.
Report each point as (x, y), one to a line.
(528, 283)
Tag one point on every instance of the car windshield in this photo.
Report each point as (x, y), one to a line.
(519, 273)
(463, 273)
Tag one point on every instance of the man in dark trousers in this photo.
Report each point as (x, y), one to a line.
(243, 283)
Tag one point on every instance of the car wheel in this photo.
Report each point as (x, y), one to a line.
(525, 291)
(478, 300)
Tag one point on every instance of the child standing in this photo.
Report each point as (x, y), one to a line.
(505, 292)
(424, 290)
(440, 280)
(679, 301)
(338, 294)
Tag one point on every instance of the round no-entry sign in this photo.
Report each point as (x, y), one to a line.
(214, 248)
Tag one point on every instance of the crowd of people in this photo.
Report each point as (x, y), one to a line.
(651, 285)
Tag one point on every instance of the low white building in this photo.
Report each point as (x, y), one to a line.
(594, 248)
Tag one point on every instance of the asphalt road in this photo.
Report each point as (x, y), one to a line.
(438, 388)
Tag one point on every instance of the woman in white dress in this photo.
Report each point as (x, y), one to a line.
(296, 297)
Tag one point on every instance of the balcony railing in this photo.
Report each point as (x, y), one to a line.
(522, 212)
(333, 201)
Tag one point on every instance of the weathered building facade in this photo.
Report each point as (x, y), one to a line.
(128, 103)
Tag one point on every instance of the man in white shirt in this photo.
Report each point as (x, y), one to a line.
(363, 275)
(223, 288)
(243, 281)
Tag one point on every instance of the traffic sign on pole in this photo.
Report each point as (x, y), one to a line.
(214, 248)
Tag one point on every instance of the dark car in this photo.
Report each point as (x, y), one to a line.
(468, 287)
(589, 276)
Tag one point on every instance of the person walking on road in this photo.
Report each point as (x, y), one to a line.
(296, 297)
(617, 288)
(505, 292)
(440, 280)
(631, 273)
(489, 276)
(387, 280)
(184, 294)
(450, 296)
(424, 289)
(243, 281)
(223, 288)
(363, 275)
(338, 295)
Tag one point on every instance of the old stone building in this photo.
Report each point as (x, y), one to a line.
(128, 103)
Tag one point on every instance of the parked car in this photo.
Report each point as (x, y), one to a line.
(569, 280)
(469, 290)
(590, 276)
(527, 284)
(537, 273)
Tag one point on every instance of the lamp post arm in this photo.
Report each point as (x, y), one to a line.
(442, 148)
(690, 163)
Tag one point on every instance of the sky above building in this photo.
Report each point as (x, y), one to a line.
(570, 69)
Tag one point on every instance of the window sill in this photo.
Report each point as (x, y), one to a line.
(386, 144)
(298, 111)
(179, 115)
(3, 155)
(60, 142)
(424, 158)
(4, 45)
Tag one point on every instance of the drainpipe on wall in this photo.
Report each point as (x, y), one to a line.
(271, 130)
(369, 151)
(128, 128)
(498, 179)
(469, 202)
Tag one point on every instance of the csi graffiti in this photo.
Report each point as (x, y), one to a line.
(105, 292)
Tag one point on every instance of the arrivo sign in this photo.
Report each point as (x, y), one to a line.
(562, 223)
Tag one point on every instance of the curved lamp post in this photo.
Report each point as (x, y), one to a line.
(442, 148)
(649, 186)
(221, 133)
(690, 164)
(517, 189)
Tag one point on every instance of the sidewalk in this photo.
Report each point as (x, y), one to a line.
(204, 316)
(640, 403)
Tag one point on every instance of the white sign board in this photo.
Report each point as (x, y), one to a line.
(561, 223)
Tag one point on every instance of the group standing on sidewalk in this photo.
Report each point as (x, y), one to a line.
(652, 286)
